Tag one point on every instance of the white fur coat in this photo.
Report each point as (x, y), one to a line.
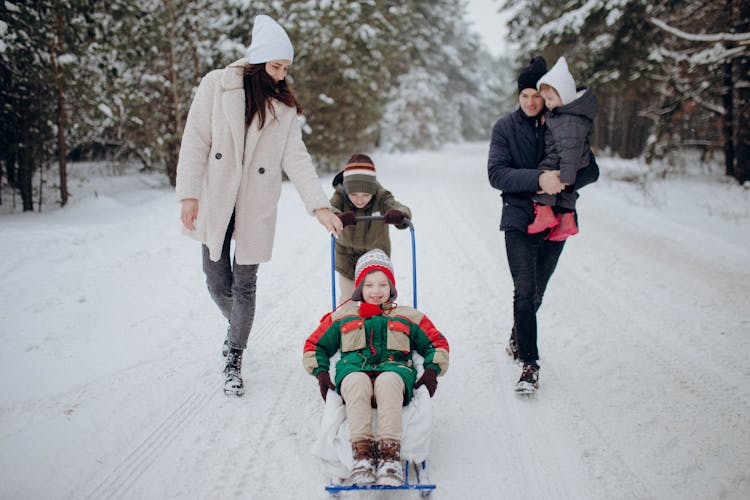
(230, 167)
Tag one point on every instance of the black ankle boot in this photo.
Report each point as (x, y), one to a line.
(233, 385)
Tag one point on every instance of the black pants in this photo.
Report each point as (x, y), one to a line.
(532, 260)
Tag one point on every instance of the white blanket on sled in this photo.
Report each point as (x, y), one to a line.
(332, 445)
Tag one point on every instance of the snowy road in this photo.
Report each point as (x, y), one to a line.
(110, 367)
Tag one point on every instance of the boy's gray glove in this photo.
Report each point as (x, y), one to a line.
(324, 381)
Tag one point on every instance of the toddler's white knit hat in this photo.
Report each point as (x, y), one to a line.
(269, 43)
(560, 79)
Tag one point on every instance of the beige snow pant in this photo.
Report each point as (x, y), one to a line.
(358, 390)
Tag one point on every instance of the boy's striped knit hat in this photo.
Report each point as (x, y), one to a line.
(374, 260)
(359, 175)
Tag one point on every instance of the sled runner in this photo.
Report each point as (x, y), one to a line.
(422, 484)
(415, 469)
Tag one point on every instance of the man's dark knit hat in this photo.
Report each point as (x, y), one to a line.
(532, 73)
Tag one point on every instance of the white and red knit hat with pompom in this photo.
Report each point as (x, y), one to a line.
(373, 260)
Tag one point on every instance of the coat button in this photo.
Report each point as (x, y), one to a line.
(262, 170)
(218, 156)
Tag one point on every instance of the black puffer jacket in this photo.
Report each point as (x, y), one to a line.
(567, 142)
(516, 148)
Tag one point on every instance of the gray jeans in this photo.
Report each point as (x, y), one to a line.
(232, 287)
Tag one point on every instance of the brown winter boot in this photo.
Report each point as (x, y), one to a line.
(363, 472)
(390, 471)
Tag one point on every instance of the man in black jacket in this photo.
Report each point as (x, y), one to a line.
(516, 149)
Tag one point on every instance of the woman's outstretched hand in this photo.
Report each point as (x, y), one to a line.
(328, 219)
(189, 213)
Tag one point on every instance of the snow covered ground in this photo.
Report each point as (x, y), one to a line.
(110, 366)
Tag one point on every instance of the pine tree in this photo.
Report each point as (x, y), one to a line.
(670, 63)
(26, 95)
(180, 40)
(452, 90)
(345, 55)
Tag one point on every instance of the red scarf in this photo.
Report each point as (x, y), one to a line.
(367, 310)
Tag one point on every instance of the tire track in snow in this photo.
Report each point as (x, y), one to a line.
(645, 310)
(262, 419)
(520, 423)
(654, 370)
(643, 361)
(124, 475)
(528, 420)
(248, 429)
(517, 428)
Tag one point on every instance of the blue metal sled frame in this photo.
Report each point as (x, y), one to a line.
(424, 488)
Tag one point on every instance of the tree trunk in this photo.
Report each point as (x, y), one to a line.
(172, 101)
(171, 112)
(41, 189)
(728, 120)
(742, 98)
(25, 178)
(61, 118)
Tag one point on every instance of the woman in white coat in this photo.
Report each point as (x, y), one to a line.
(242, 131)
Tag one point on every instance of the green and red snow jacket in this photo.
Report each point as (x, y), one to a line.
(376, 344)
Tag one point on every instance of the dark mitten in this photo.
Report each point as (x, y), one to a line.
(324, 381)
(429, 380)
(394, 216)
(347, 218)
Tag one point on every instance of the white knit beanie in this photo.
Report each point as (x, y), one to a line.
(269, 43)
(560, 79)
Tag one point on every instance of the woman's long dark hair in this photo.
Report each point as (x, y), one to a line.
(260, 89)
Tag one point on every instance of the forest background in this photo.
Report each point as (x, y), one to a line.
(96, 80)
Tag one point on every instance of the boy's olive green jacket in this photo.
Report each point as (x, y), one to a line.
(376, 344)
(354, 241)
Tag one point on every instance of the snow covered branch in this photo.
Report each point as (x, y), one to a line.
(712, 55)
(742, 38)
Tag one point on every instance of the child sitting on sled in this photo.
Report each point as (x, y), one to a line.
(358, 193)
(375, 337)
